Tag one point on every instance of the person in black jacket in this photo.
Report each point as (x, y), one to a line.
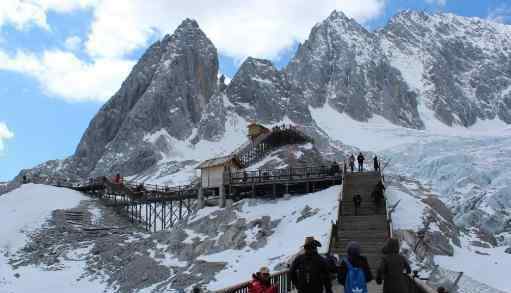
(356, 260)
(376, 164)
(360, 159)
(392, 269)
(357, 202)
(309, 271)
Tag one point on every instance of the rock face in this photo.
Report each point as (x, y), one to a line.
(166, 93)
(455, 68)
(260, 92)
(341, 64)
(460, 67)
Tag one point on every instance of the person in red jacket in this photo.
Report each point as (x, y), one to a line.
(261, 282)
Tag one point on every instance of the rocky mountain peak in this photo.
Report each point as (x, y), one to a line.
(170, 89)
(458, 65)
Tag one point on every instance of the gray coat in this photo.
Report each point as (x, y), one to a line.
(391, 272)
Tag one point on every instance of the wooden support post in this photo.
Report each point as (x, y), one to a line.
(222, 196)
(164, 215)
(253, 190)
(180, 209)
(274, 190)
(154, 216)
(200, 198)
(150, 222)
(145, 218)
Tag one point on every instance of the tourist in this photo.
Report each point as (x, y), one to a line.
(117, 179)
(392, 269)
(334, 168)
(309, 271)
(357, 202)
(352, 163)
(261, 282)
(355, 272)
(360, 159)
(376, 164)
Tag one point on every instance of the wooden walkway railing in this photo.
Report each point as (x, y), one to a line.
(280, 279)
(269, 176)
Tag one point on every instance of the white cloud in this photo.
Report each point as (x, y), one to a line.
(260, 28)
(62, 74)
(500, 14)
(73, 43)
(22, 13)
(437, 2)
(5, 134)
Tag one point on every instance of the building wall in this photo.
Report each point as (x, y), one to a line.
(214, 176)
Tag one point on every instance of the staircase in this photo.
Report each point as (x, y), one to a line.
(369, 227)
(255, 150)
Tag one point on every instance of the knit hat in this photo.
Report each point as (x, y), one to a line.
(264, 270)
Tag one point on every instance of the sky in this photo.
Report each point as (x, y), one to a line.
(60, 60)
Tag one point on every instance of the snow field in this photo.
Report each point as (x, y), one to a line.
(287, 238)
(23, 211)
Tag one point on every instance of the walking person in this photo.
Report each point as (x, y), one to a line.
(309, 271)
(376, 164)
(352, 163)
(360, 159)
(261, 282)
(357, 202)
(392, 269)
(355, 272)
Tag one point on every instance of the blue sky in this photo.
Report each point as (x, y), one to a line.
(60, 62)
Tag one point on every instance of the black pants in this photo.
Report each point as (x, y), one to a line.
(360, 166)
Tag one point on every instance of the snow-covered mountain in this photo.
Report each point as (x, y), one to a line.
(428, 93)
(173, 111)
(458, 66)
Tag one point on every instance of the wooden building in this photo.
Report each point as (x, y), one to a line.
(255, 130)
(212, 171)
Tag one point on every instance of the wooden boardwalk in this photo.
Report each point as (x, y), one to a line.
(368, 227)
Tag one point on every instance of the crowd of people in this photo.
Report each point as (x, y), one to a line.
(360, 162)
(311, 272)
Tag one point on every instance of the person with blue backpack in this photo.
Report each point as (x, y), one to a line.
(354, 273)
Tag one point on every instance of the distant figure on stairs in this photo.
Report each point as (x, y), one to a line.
(117, 178)
(355, 272)
(352, 163)
(376, 164)
(357, 202)
(261, 282)
(377, 194)
(392, 268)
(309, 271)
(360, 159)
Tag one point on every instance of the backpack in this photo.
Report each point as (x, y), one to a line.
(332, 263)
(306, 271)
(355, 279)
